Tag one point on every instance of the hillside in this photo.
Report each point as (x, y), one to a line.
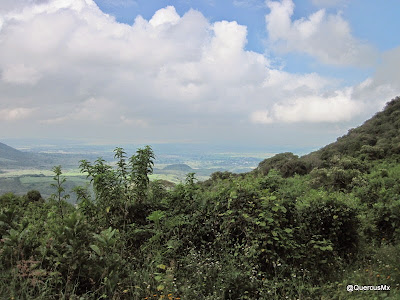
(178, 167)
(378, 138)
(13, 157)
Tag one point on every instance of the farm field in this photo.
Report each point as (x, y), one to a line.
(20, 180)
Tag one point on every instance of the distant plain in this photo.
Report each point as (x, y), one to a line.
(173, 163)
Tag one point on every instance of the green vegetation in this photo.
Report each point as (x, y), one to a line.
(295, 228)
(179, 167)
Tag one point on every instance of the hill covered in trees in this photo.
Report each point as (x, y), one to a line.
(378, 138)
(295, 228)
(179, 167)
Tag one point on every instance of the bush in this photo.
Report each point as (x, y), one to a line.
(329, 233)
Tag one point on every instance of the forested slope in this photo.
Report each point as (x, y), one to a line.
(377, 138)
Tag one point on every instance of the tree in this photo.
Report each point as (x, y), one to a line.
(34, 196)
(60, 194)
(117, 189)
(142, 166)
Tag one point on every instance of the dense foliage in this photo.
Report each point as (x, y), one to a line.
(296, 228)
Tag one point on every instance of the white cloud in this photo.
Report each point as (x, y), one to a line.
(14, 114)
(165, 16)
(324, 36)
(335, 108)
(135, 122)
(89, 110)
(261, 117)
(15, 5)
(19, 73)
(66, 63)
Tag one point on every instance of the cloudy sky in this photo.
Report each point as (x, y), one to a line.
(283, 73)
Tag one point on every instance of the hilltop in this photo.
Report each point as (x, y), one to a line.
(178, 167)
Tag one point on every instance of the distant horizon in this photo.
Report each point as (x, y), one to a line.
(64, 144)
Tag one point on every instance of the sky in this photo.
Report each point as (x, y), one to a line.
(281, 73)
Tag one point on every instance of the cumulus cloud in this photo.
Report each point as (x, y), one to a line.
(89, 110)
(14, 114)
(261, 117)
(66, 64)
(324, 36)
(19, 73)
(164, 16)
(315, 109)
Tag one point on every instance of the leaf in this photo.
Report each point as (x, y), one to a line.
(160, 287)
(156, 216)
(288, 230)
(96, 249)
(327, 248)
(161, 266)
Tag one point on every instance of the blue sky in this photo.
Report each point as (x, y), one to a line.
(369, 19)
(284, 72)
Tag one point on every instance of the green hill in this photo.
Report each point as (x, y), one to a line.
(378, 138)
(10, 156)
(178, 167)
